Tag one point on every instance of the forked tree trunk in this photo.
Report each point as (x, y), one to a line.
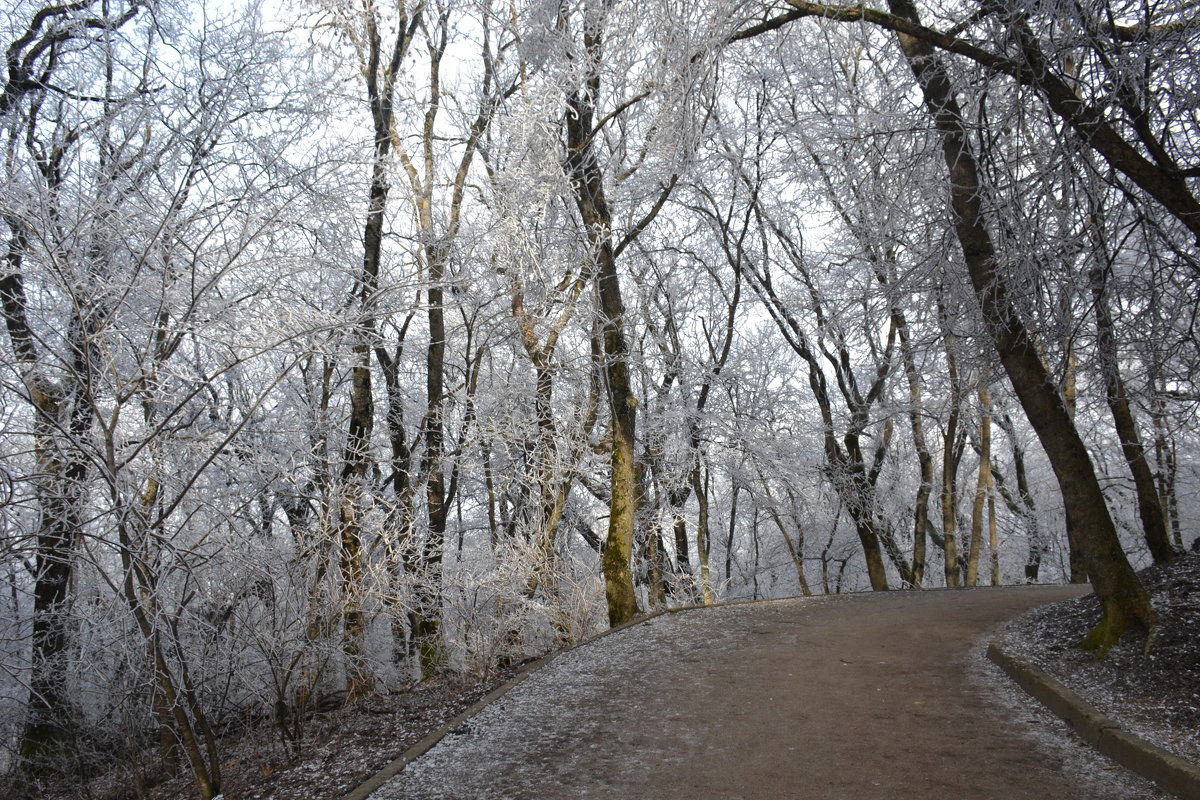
(380, 73)
(924, 459)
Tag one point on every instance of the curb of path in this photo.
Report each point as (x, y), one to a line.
(1172, 773)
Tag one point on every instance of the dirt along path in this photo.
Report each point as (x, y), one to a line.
(857, 697)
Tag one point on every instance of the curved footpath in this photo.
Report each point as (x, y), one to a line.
(857, 697)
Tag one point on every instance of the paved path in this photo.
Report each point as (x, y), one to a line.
(858, 697)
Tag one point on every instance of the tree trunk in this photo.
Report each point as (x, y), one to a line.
(731, 531)
(949, 493)
(50, 713)
(588, 182)
(981, 487)
(1150, 509)
(428, 611)
(676, 497)
(1067, 385)
(924, 459)
(380, 79)
(1164, 458)
(867, 537)
(993, 535)
(1125, 603)
(700, 488)
(62, 417)
(1028, 510)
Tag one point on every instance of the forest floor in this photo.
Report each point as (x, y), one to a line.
(1155, 695)
(338, 749)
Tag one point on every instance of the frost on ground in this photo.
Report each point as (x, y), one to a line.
(1055, 737)
(1154, 695)
(574, 687)
(339, 749)
(512, 750)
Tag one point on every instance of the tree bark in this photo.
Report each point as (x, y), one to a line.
(982, 486)
(1165, 460)
(700, 488)
(950, 456)
(380, 73)
(1028, 508)
(924, 459)
(62, 417)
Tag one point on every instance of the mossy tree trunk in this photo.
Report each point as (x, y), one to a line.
(587, 177)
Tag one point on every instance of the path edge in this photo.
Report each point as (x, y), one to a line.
(376, 781)
(1176, 775)
(393, 768)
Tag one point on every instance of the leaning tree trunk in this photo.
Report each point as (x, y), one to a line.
(1125, 602)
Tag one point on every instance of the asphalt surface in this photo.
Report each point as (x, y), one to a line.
(857, 697)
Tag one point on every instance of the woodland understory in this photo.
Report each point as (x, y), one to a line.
(351, 344)
(1151, 694)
